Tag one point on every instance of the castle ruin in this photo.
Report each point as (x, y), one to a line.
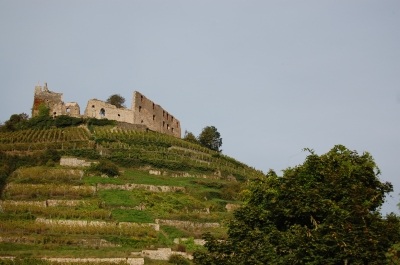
(143, 111)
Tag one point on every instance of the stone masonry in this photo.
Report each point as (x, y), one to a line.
(54, 101)
(143, 112)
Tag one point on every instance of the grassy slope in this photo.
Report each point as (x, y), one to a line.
(136, 153)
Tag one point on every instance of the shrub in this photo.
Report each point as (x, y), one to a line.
(66, 121)
(181, 248)
(107, 167)
(100, 122)
(178, 260)
(50, 154)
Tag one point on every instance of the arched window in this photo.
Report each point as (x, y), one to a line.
(102, 112)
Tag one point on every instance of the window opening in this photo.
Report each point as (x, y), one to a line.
(154, 117)
(141, 98)
(167, 126)
(68, 110)
(154, 106)
(163, 124)
(140, 108)
(92, 106)
(142, 121)
(102, 112)
(119, 115)
(172, 129)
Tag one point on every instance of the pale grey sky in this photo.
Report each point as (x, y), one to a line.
(272, 76)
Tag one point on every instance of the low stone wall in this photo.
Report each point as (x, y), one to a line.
(74, 162)
(200, 242)
(164, 254)
(130, 261)
(155, 172)
(132, 186)
(77, 242)
(84, 223)
(186, 224)
(182, 175)
(231, 207)
(43, 204)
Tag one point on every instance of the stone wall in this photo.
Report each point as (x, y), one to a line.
(164, 254)
(99, 109)
(54, 101)
(130, 261)
(99, 224)
(186, 224)
(143, 112)
(74, 162)
(231, 207)
(132, 186)
(154, 116)
(200, 242)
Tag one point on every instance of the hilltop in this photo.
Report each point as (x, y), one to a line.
(59, 202)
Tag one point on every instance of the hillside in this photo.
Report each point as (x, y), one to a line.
(168, 191)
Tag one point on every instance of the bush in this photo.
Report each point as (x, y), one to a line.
(178, 260)
(107, 167)
(50, 154)
(230, 191)
(100, 122)
(181, 248)
(66, 121)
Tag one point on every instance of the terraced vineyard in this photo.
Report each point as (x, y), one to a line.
(169, 190)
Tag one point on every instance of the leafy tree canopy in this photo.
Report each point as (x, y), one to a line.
(14, 121)
(190, 137)
(116, 100)
(325, 211)
(210, 138)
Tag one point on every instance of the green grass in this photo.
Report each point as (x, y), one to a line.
(93, 180)
(117, 198)
(135, 216)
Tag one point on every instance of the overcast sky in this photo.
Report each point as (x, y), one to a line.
(273, 77)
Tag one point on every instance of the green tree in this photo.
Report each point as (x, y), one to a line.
(116, 100)
(190, 137)
(325, 211)
(15, 121)
(210, 138)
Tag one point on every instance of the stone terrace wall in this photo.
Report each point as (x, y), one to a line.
(130, 261)
(74, 162)
(164, 254)
(186, 224)
(132, 186)
(154, 116)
